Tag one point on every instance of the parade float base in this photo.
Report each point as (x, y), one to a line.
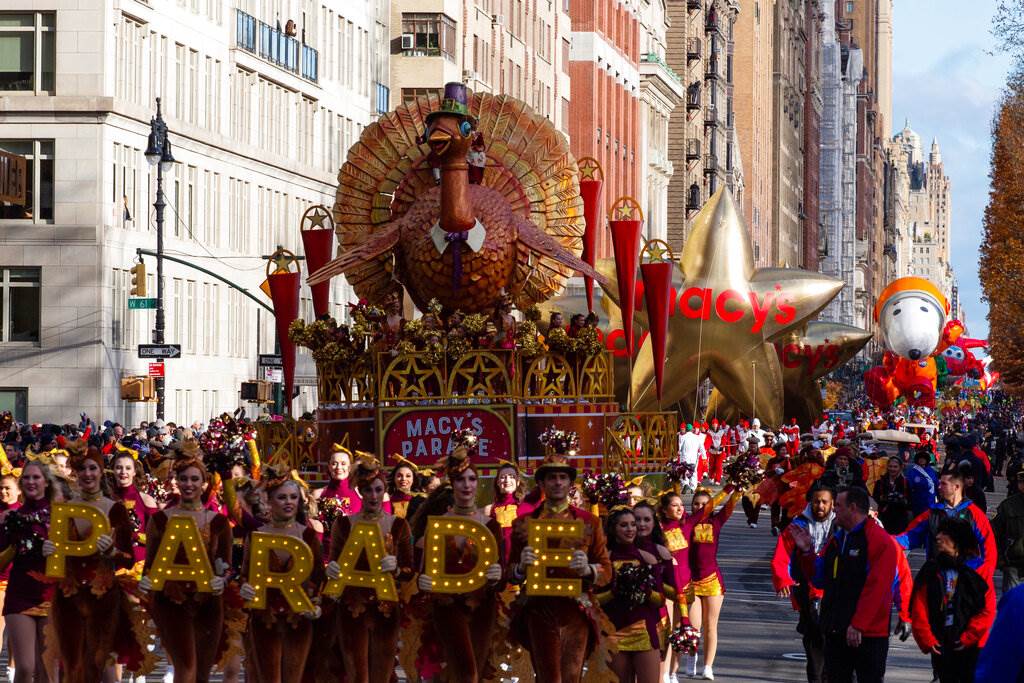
(414, 406)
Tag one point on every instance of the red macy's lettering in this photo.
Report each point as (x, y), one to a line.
(793, 356)
(700, 302)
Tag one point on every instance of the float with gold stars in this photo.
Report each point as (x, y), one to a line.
(464, 321)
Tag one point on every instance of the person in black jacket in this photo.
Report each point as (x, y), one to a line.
(892, 493)
(952, 607)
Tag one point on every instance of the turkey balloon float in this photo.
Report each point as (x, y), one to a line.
(911, 314)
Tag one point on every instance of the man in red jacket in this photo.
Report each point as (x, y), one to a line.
(856, 573)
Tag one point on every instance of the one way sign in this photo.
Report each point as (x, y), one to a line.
(159, 350)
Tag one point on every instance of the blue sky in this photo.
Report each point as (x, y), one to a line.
(947, 82)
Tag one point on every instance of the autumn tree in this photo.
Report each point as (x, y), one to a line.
(1001, 267)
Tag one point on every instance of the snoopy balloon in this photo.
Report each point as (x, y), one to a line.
(911, 314)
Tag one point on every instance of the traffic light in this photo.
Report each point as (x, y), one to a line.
(138, 272)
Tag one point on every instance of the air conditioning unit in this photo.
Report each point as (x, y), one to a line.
(408, 41)
(468, 75)
(499, 19)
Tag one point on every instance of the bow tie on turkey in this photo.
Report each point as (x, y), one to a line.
(472, 238)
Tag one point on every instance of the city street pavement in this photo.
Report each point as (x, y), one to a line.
(757, 631)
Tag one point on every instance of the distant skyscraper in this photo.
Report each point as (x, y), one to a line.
(842, 68)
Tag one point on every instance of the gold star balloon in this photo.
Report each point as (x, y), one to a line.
(726, 311)
(805, 356)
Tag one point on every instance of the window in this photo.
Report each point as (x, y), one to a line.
(19, 305)
(409, 95)
(27, 52)
(15, 401)
(849, 6)
(131, 38)
(432, 34)
(38, 206)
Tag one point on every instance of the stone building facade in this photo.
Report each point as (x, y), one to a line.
(262, 99)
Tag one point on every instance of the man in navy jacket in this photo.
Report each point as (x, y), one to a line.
(856, 573)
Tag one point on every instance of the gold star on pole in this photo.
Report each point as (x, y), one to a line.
(625, 212)
(315, 216)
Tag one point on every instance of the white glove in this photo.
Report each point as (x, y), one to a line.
(579, 563)
(528, 557)
(315, 614)
(104, 542)
(145, 585)
(333, 570)
(248, 592)
(217, 585)
(779, 471)
(494, 572)
(220, 567)
(425, 583)
(388, 564)
(49, 548)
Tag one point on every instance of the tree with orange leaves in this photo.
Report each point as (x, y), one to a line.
(1001, 267)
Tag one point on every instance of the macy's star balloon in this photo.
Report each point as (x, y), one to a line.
(805, 356)
(724, 315)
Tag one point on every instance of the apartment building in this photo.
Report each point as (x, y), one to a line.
(262, 99)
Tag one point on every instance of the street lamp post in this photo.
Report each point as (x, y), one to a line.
(158, 153)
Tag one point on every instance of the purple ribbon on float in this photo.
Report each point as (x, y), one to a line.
(456, 239)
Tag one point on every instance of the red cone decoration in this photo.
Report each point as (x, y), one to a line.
(318, 245)
(657, 277)
(284, 293)
(625, 221)
(591, 181)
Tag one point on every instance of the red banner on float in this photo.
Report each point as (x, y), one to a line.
(590, 191)
(284, 293)
(318, 245)
(626, 245)
(657, 296)
(424, 435)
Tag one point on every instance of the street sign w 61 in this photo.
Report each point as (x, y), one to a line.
(141, 304)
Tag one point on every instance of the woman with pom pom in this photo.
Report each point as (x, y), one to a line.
(633, 601)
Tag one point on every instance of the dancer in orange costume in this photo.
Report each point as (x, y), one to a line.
(462, 624)
(278, 640)
(90, 613)
(368, 627)
(190, 623)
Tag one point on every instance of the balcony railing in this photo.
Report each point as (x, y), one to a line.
(693, 4)
(711, 70)
(692, 149)
(655, 58)
(710, 163)
(693, 49)
(273, 45)
(711, 116)
(693, 198)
